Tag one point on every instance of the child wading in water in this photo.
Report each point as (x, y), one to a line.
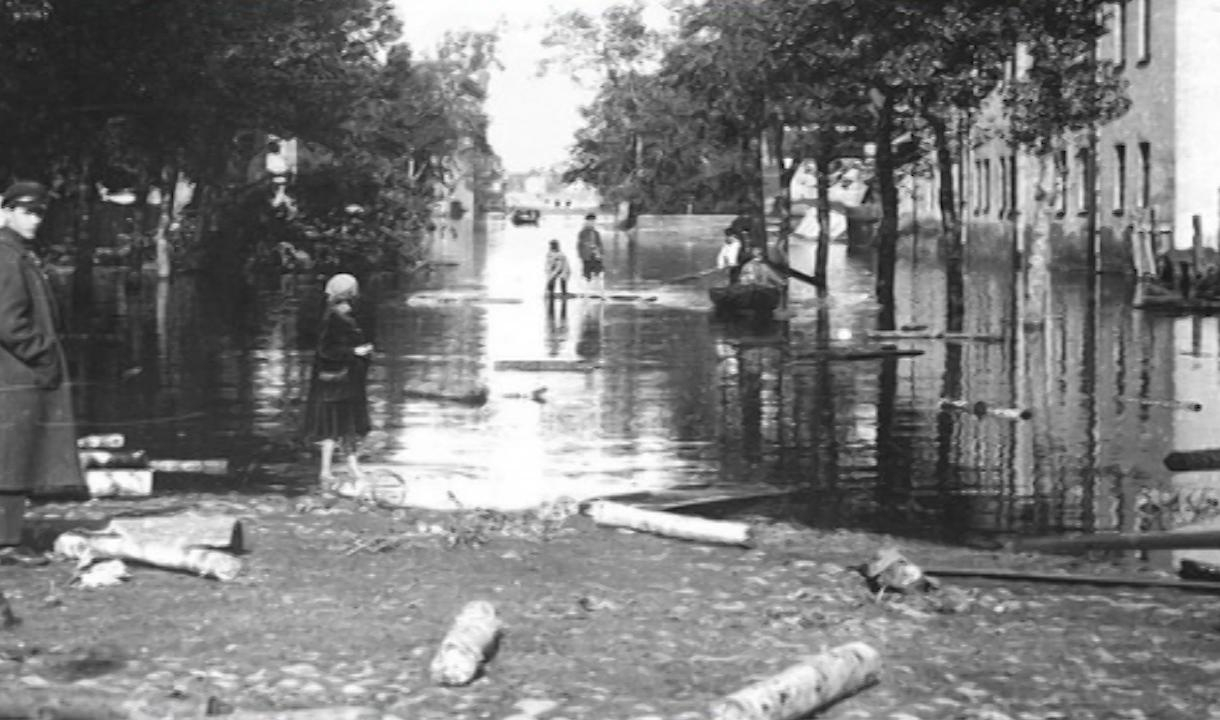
(337, 412)
(557, 270)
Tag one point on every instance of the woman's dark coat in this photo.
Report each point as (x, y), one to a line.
(38, 452)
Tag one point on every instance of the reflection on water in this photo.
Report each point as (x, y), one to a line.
(201, 368)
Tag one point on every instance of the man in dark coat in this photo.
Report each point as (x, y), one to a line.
(38, 453)
(592, 253)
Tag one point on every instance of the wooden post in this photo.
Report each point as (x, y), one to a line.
(1196, 224)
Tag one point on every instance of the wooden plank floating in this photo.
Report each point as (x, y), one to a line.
(805, 687)
(946, 336)
(1190, 460)
(610, 297)
(1070, 579)
(849, 354)
(1171, 404)
(982, 409)
(467, 645)
(550, 365)
(475, 396)
(1167, 540)
(685, 527)
(677, 499)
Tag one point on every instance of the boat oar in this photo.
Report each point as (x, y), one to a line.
(692, 276)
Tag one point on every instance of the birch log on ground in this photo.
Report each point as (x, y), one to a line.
(467, 644)
(220, 532)
(202, 561)
(686, 527)
(345, 712)
(804, 687)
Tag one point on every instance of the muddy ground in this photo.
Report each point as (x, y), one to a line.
(345, 604)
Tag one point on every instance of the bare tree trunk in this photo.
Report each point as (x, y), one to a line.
(823, 210)
(169, 182)
(1037, 266)
(887, 190)
(949, 220)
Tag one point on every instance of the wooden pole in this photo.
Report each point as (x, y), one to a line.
(1122, 541)
(805, 687)
(1196, 224)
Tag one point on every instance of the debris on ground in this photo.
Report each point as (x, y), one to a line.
(805, 687)
(469, 642)
(889, 570)
(685, 527)
(102, 574)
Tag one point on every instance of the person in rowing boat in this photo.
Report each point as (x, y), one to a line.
(756, 271)
(730, 256)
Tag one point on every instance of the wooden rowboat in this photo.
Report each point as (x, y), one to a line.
(760, 300)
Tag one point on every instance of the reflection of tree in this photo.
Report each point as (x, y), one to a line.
(589, 344)
(556, 325)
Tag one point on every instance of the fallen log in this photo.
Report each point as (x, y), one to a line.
(982, 409)
(467, 645)
(1070, 579)
(1188, 460)
(685, 527)
(85, 546)
(108, 441)
(219, 532)
(946, 336)
(1171, 404)
(803, 688)
(1168, 540)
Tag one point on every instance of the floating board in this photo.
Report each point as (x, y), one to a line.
(547, 365)
(460, 298)
(694, 497)
(880, 353)
(608, 297)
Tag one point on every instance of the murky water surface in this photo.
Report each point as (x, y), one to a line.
(196, 368)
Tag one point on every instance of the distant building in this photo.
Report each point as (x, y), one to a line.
(1156, 167)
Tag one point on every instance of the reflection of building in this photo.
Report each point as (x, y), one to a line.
(1159, 162)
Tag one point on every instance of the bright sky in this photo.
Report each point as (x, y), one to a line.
(532, 118)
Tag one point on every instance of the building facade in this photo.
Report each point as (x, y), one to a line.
(1150, 172)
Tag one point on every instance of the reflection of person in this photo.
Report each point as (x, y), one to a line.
(556, 327)
(557, 270)
(38, 453)
(756, 271)
(730, 256)
(336, 412)
(592, 252)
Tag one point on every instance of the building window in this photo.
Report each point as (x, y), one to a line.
(1003, 209)
(1062, 177)
(1011, 189)
(1143, 30)
(1118, 33)
(987, 185)
(1082, 181)
(1145, 189)
(1120, 178)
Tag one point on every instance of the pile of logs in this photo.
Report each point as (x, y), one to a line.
(113, 470)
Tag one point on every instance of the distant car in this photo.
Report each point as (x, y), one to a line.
(526, 216)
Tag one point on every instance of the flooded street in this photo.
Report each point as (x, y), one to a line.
(644, 390)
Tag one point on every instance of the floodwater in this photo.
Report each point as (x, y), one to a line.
(197, 368)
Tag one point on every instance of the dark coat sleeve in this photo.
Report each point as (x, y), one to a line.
(338, 340)
(20, 334)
